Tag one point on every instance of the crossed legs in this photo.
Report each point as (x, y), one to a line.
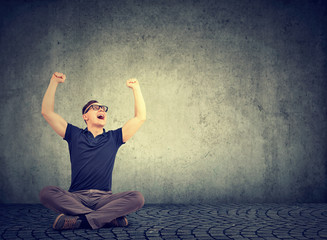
(98, 207)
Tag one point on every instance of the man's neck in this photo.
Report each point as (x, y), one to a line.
(95, 130)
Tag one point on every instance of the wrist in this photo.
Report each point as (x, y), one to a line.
(136, 88)
(54, 82)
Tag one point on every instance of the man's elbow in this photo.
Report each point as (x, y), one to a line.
(143, 118)
(45, 113)
(140, 116)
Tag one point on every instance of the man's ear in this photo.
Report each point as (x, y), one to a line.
(85, 117)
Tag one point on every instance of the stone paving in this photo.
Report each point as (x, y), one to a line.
(223, 221)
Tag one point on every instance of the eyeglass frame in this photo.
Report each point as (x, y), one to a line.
(103, 107)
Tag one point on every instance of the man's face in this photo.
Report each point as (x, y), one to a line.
(96, 115)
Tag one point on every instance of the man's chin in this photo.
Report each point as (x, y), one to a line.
(101, 124)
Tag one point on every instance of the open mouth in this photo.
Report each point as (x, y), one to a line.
(100, 116)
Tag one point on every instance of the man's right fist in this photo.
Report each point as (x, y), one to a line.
(58, 77)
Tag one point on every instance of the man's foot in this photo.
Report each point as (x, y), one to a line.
(119, 222)
(66, 222)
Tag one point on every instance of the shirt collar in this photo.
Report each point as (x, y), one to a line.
(86, 131)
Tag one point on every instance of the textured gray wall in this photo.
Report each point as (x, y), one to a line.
(235, 93)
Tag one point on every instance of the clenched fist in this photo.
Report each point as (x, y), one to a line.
(58, 77)
(132, 83)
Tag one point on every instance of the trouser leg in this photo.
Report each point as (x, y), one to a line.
(62, 201)
(113, 206)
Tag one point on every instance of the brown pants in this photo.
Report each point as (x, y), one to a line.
(99, 207)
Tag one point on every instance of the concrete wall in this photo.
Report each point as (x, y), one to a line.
(235, 94)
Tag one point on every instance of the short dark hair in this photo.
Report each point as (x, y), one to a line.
(88, 104)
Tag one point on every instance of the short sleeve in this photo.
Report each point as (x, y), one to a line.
(70, 131)
(118, 136)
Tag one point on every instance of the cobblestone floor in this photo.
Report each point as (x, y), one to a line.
(225, 221)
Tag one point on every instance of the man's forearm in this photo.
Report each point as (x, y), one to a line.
(49, 98)
(140, 109)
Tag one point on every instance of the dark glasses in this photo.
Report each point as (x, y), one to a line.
(96, 108)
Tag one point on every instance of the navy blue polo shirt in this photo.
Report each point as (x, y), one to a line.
(92, 159)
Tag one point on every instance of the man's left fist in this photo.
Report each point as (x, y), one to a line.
(132, 83)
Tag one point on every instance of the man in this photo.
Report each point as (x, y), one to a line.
(89, 201)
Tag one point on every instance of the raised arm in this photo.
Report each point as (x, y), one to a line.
(55, 120)
(130, 128)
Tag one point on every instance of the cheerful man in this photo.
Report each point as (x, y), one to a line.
(89, 201)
